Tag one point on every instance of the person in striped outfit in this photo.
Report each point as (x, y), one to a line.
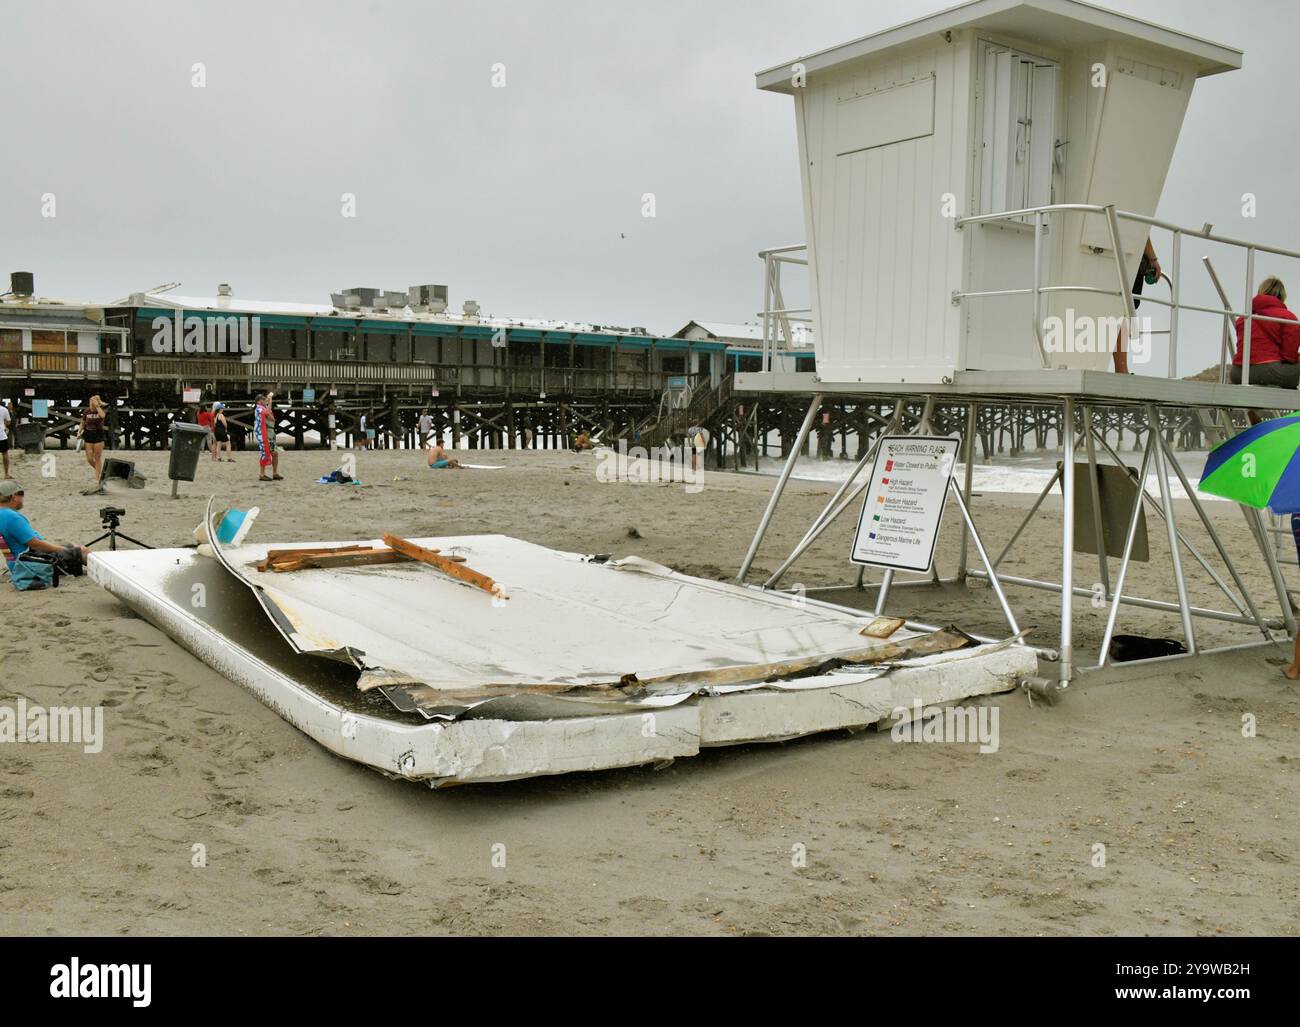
(264, 435)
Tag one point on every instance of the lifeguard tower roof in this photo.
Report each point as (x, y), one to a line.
(1062, 22)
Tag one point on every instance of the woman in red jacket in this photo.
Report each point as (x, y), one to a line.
(1274, 348)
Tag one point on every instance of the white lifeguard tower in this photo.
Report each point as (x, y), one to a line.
(978, 189)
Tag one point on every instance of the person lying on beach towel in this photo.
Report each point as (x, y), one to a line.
(582, 443)
(439, 459)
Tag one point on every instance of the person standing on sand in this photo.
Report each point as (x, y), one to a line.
(6, 419)
(204, 420)
(426, 427)
(220, 433)
(1293, 671)
(697, 439)
(264, 436)
(92, 434)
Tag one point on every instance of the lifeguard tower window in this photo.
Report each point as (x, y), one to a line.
(1016, 106)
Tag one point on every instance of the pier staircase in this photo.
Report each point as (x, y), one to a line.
(701, 407)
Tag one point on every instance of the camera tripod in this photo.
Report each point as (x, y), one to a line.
(111, 518)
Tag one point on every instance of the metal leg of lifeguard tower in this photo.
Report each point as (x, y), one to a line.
(1158, 456)
(844, 498)
(1146, 499)
(791, 459)
(852, 489)
(1255, 521)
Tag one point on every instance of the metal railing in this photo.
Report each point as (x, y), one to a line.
(560, 380)
(38, 363)
(775, 314)
(1124, 291)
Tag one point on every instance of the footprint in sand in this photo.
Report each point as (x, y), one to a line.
(277, 876)
(645, 905)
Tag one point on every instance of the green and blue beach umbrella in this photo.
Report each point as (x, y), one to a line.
(1260, 467)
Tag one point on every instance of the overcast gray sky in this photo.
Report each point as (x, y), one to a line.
(526, 198)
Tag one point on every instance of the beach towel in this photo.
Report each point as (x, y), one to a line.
(338, 478)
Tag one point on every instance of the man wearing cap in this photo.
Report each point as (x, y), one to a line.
(19, 535)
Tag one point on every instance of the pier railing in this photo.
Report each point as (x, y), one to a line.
(92, 367)
(43, 364)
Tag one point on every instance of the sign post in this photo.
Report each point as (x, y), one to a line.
(899, 524)
(905, 499)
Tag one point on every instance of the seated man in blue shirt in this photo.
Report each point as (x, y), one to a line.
(19, 535)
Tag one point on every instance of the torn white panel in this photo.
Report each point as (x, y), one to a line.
(527, 734)
(774, 714)
(569, 621)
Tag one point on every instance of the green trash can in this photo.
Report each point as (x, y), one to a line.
(187, 447)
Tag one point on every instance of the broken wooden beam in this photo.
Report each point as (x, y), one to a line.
(307, 558)
(450, 567)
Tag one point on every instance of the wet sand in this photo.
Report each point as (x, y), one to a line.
(1200, 824)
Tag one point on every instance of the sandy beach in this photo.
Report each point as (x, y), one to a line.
(1201, 826)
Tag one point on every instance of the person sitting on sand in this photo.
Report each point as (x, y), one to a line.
(439, 459)
(19, 535)
(582, 443)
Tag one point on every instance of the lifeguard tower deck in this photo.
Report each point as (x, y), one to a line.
(979, 187)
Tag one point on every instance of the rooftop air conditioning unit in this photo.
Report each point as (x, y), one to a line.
(470, 309)
(365, 297)
(427, 297)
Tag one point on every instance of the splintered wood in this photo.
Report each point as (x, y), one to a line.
(449, 566)
(399, 551)
(281, 560)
